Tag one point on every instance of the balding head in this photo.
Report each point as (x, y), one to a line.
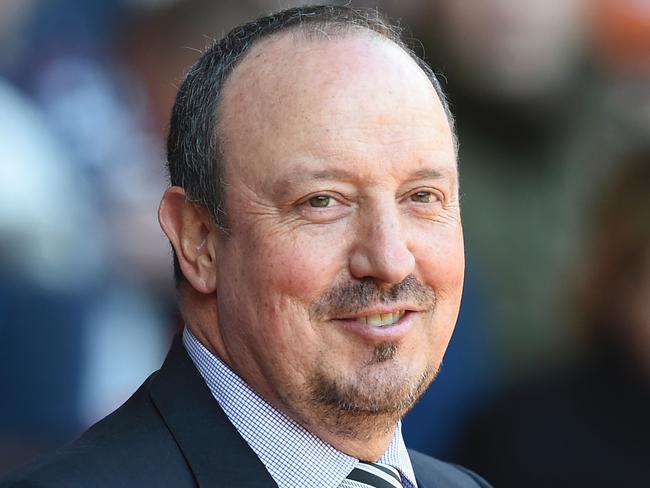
(293, 88)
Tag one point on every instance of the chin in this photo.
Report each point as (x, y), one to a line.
(374, 400)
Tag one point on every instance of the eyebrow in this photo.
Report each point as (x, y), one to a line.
(344, 175)
(341, 174)
(300, 175)
(428, 173)
(330, 175)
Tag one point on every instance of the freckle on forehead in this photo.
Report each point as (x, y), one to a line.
(293, 98)
(287, 69)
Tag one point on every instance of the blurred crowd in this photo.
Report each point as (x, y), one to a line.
(547, 379)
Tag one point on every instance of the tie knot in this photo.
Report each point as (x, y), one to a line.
(376, 475)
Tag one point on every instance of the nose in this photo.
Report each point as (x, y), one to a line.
(381, 249)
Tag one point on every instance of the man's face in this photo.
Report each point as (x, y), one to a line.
(342, 200)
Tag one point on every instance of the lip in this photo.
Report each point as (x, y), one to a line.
(393, 332)
(380, 310)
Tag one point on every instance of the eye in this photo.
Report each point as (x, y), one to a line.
(424, 197)
(321, 201)
(323, 207)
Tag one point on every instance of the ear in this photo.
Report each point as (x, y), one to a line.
(190, 229)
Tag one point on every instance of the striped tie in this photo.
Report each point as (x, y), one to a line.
(373, 475)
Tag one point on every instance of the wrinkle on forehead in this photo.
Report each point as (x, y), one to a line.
(284, 60)
(290, 72)
(291, 87)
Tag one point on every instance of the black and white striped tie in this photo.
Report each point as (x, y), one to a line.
(373, 475)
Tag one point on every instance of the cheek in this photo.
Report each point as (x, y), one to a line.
(274, 282)
(300, 268)
(286, 277)
(441, 261)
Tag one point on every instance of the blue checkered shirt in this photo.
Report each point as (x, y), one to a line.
(292, 455)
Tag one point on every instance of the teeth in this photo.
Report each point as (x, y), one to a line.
(379, 320)
(374, 320)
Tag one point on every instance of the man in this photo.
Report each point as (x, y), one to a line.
(319, 256)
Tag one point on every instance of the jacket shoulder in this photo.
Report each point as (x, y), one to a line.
(130, 447)
(433, 472)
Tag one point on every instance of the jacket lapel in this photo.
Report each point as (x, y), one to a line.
(212, 447)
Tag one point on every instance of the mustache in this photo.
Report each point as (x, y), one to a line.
(352, 296)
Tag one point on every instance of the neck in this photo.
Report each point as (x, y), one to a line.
(363, 434)
(363, 447)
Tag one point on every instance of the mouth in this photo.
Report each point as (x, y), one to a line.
(384, 319)
(380, 324)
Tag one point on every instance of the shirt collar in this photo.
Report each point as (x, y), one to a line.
(292, 455)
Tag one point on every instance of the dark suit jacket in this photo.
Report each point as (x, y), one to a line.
(171, 432)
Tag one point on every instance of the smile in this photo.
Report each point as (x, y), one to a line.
(380, 320)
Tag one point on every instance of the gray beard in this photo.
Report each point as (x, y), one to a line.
(370, 406)
(381, 394)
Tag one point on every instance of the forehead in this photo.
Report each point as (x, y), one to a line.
(296, 59)
(293, 95)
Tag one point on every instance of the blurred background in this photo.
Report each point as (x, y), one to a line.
(547, 379)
